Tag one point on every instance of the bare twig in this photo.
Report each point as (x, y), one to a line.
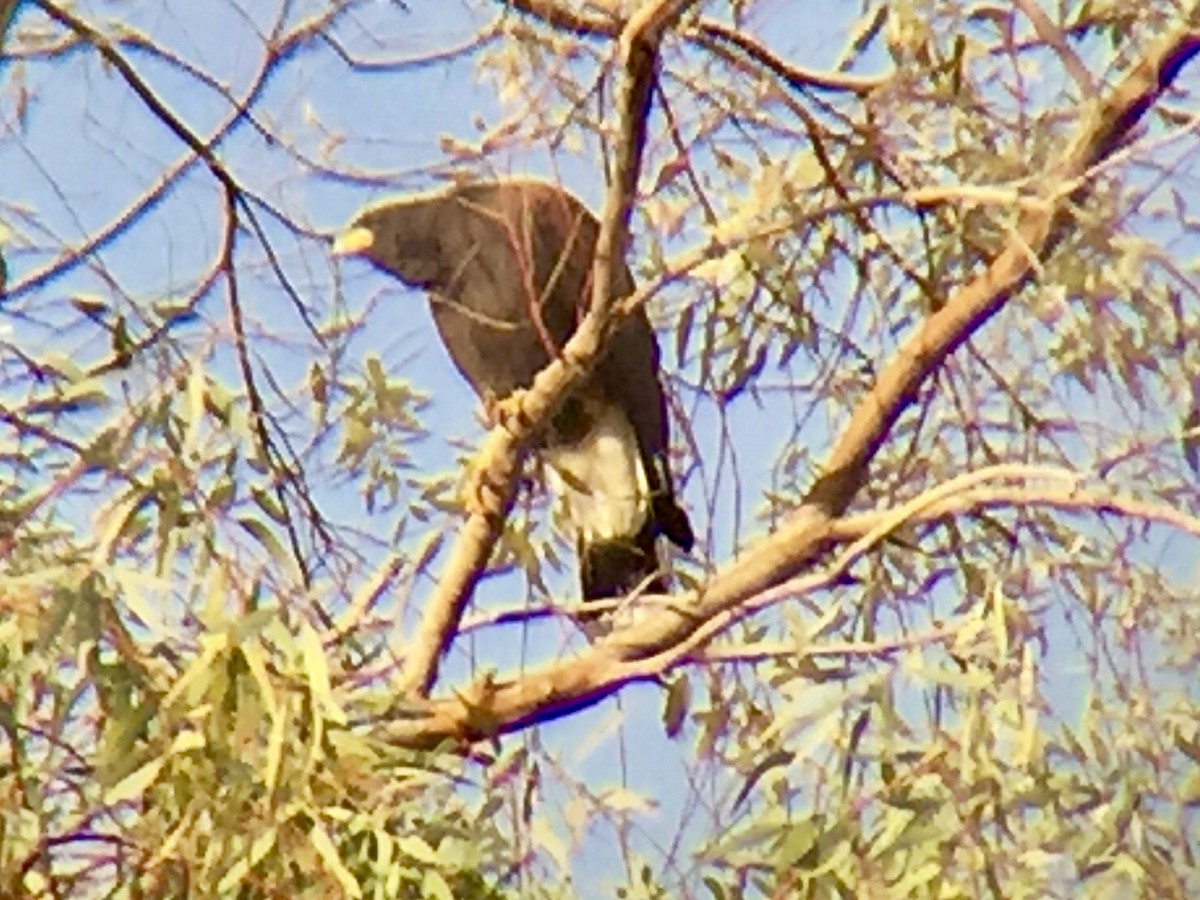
(1054, 36)
(705, 33)
(708, 33)
(235, 198)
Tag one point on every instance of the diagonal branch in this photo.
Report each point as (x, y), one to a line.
(559, 689)
(153, 102)
(637, 56)
(710, 34)
(492, 707)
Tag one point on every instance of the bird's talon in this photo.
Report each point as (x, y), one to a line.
(480, 497)
(483, 493)
(508, 412)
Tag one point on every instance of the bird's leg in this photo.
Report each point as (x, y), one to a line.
(490, 479)
(508, 412)
(491, 472)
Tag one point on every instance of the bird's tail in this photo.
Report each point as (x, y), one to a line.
(615, 567)
(669, 517)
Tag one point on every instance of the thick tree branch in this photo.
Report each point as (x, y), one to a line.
(492, 707)
(638, 60)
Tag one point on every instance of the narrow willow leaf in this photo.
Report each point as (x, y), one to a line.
(333, 861)
(135, 784)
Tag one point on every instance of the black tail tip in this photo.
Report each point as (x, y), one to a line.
(611, 569)
(673, 522)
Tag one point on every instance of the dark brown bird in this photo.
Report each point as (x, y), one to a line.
(507, 265)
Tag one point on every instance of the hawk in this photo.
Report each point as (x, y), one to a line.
(507, 267)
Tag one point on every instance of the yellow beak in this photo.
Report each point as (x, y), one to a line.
(356, 240)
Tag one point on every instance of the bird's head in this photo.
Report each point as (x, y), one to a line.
(398, 236)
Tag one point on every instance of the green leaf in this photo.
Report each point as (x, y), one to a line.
(318, 385)
(267, 502)
(135, 784)
(222, 494)
(434, 885)
(263, 844)
(679, 694)
(193, 415)
(90, 305)
(416, 848)
(333, 861)
(267, 540)
(316, 667)
(174, 313)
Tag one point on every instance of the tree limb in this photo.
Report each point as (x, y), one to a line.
(491, 707)
(638, 61)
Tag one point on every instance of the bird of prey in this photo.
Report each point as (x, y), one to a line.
(507, 267)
